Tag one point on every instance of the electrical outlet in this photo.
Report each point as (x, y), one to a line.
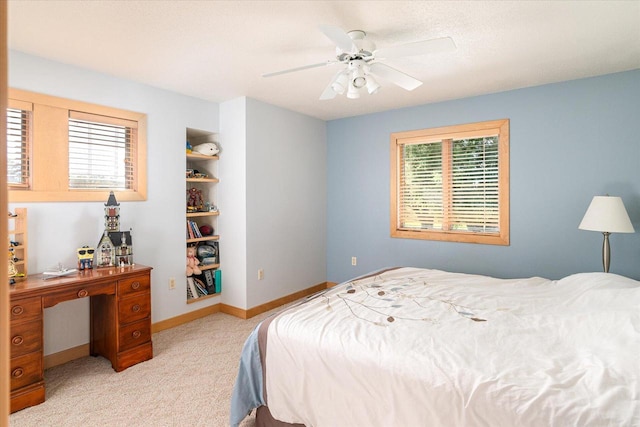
(260, 274)
(172, 283)
(354, 260)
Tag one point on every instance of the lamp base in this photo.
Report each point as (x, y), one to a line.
(606, 252)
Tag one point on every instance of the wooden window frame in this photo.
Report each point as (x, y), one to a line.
(470, 130)
(49, 180)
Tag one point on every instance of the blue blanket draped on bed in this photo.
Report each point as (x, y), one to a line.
(247, 391)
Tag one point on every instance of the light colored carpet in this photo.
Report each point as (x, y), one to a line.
(187, 383)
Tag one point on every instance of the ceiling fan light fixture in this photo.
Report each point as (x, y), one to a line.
(340, 83)
(362, 59)
(372, 85)
(353, 92)
(359, 82)
(357, 69)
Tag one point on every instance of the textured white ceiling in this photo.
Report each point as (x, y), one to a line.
(218, 50)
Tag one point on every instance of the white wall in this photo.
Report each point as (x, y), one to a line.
(272, 199)
(232, 202)
(271, 195)
(57, 229)
(286, 202)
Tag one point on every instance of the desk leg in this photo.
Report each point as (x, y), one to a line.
(104, 327)
(27, 396)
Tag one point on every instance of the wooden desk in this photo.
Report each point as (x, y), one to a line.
(120, 322)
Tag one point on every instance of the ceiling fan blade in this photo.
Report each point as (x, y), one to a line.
(328, 93)
(394, 76)
(340, 38)
(304, 67)
(444, 44)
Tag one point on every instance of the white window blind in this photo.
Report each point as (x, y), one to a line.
(450, 185)
(18, 142)
(101, 152)
(420, 193)
(474, 185)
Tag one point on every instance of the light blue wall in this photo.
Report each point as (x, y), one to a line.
(569, 142)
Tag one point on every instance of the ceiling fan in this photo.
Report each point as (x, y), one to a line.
(361, 59)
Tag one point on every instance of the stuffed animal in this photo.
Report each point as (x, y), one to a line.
(208, 149)
(192, 262)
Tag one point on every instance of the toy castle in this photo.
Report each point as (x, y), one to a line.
(115, 247)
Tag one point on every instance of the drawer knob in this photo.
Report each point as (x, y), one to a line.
(135, 285)
(83, 293)
(136, 334)
(17, 310)
(17, 373)
(135, 308)
(17, 340)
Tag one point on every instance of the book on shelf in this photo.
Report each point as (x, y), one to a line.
(196, 229)
(218, 280)
(209, 280)
(192, 291)
(189, 231)
(193, 231)
(200, 286)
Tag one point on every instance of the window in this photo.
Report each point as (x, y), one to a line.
(451, 183)
(18, 142)
(101, 153)
(75, 151)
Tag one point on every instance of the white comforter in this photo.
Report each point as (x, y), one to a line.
(414, 347)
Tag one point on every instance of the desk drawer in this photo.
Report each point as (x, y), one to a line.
(134, 308)
(131, 285)
(134, 334)
(26, 370)
(26, 337)
(26, 309)
(80, 291)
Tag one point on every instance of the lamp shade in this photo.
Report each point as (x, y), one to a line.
(606, 214)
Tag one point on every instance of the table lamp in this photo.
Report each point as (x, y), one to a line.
(607, 215)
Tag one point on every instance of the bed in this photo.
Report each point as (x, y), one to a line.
(418, 347)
